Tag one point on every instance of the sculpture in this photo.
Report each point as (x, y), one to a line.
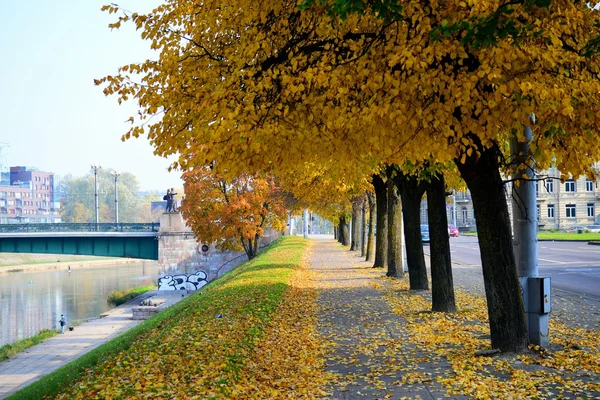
(170, 200)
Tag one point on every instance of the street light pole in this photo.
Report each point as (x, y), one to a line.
(116, 174)
(96, 168)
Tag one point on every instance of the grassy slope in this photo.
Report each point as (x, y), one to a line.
(186, 339)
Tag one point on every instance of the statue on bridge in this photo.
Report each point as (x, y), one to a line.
(169, 197)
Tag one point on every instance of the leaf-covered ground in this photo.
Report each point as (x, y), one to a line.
(264, 346)
(338, 329)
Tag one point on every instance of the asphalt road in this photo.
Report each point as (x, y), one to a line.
(574, 267)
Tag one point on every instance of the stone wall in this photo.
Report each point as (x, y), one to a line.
(180, 257)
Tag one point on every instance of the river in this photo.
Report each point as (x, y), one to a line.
(32, 301)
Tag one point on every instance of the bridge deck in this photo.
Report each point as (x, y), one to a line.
(109, 240)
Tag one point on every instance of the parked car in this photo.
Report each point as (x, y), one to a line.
(592, 228)
(452, 231)
(425, 233)
(576, 229)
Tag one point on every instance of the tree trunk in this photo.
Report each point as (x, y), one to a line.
(502, 290)
(335, 229)
(411, 191)
(363, 225)
(343, 231)
(442, 286)
(249, 247)
(356, 213)
(382, 218)
(394, 231)
(371, 232)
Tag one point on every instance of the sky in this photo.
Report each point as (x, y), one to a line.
(51, 113)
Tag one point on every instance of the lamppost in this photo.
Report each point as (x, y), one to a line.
(96, 168)
(116, 174)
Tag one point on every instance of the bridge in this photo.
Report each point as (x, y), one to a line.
(182, 259)
(106, 239)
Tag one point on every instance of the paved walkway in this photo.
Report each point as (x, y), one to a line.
(371, 352)
(32, 364)
(369, 348)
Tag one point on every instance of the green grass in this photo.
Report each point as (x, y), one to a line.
(119, 297)
(583, 237)
(263, 280)
(9, 350)
(586, 237)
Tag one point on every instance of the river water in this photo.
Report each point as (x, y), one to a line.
(32, 301)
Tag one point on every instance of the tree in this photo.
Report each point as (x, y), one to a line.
(371, 231)
(442, 285)
(411, 188)
(233, 213)
(258, 90)
(394, 231)
(80, 192)
(357, 205)
(381, 200)
(80, 214)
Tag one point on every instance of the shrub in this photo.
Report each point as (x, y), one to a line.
(119, 297)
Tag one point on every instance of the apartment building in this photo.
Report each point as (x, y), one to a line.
(29, 196)
(560, 205)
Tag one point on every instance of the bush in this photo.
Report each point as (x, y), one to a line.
(119, 297)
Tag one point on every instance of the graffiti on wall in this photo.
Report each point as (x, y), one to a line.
(183, 282)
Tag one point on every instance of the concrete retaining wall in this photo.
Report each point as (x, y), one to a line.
(180, 257)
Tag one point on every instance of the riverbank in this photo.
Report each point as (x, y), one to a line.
(79, 346)
(18, 262)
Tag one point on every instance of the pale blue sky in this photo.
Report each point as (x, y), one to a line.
(52, 115)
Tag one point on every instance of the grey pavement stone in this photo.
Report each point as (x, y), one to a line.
(367, 337)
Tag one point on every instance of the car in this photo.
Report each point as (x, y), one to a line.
(576, 229)
(592, 228)
(452, 231)
(425, 233)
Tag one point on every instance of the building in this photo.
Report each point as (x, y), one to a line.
(30, 196)
(560, 205)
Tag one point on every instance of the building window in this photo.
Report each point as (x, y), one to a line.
(590, 209)
(570, 186)
(550, 210)
(538, 212)
(550, 186)
(589, 186)
(570, 210)
(537, 189)
(464, 215)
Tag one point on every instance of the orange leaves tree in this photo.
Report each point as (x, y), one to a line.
(232, 213)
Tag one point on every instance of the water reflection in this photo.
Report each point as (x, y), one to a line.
(31, 301)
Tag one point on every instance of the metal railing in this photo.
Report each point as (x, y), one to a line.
(82, 227)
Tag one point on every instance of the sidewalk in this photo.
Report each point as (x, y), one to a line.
(38, 361)
(369, 347)
(374, 355)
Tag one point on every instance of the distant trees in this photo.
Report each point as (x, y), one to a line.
(77, 199)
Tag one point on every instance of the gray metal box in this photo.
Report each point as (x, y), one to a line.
(539, 295)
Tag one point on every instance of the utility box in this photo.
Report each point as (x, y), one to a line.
(539, 295)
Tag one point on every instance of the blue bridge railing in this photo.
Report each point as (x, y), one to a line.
(85, 227)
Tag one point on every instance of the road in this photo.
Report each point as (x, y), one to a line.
(573, 266)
